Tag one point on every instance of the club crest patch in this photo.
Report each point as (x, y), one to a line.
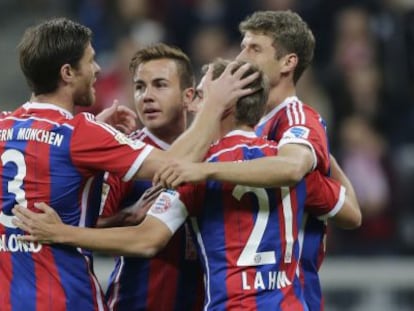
(163, 203)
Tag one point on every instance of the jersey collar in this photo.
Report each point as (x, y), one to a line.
(47, 106)
(279, 107)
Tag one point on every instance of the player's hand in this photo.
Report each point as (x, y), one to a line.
(137, 212)
(223, 92)
(177, 173)
(120, 117)
(41, 227)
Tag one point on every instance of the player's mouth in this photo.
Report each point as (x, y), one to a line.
(151, 113)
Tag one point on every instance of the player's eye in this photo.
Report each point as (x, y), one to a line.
(139, 87)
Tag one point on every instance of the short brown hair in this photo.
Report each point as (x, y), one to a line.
(46, 47)
(249, 108)
(160, 51)
(290, 34)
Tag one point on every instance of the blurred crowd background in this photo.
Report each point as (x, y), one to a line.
(361, 81)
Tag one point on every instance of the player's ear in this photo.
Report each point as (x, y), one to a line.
(289, 62)
(66, 73)
(188, 96)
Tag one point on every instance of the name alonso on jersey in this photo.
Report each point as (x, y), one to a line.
(13, 244)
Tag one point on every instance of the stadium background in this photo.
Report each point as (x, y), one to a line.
(361, 81)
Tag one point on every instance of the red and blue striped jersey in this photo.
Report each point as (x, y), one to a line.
(247, 237)
(47, 155)
(294, 122)
(173, 279)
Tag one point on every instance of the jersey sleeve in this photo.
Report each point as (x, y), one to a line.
(113, 192)
(300, 124)
(325, 196)
(100, 147)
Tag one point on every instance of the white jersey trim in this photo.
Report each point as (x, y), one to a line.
(137, 163)
(275, 110)
(162, 144)
(47, 106)
(207, 263)
(339, 204)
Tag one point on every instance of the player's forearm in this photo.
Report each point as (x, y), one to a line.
(120, 241)
(349, 217)
(194, 143)
(119, 219)
(263, 172)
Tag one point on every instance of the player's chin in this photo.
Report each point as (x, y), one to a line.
(154, 124)
(86, 101)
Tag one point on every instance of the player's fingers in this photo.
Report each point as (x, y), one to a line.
(123, 128)
(245, 91)
(128, 121)
(173, 180)
(21, 225)
(27, 238)
(239, 72)
(176, 183)
(158, 175)
(153, 192)
(164, 173)
(209, 74)
(44, 207)
(126, 111)
(23, 214)
(111, 109)
(248, 79)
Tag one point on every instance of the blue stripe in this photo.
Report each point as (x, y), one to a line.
(23, 284)
(138, 189)
(75, 282)
(259, 130)
(65, 180)
(65, 195)
(133, 282)
(211, 225)
(188, 276)
(313, 239)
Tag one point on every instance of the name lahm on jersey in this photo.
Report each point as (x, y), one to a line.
(13, 244)
(269, 280)
(39, 135)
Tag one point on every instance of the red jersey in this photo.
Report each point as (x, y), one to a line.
(294, 122)
(173, 279)
(48, 155)
(248, 237)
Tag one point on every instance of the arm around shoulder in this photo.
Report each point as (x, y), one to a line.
(143, 240)
(291, 164)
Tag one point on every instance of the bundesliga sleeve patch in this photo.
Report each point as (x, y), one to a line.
(296, 132)
(125, 140)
